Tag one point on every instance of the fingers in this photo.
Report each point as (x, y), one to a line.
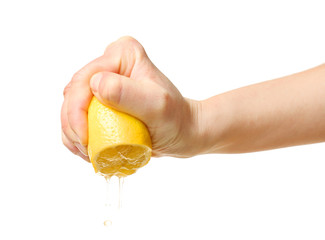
(69, 138)
(126, 51)
(73, 148)
(141, 99)
(78, 98)
(120, 57)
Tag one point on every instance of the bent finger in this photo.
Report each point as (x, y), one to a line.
(72, 147)
(141, 99)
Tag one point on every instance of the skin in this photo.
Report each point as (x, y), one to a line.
(279, 113)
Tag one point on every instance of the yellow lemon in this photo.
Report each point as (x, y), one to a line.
(118, 144)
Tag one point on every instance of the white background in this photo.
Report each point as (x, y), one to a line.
(205, 48)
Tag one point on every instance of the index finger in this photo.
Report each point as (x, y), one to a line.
(117, 57)
(80, 94)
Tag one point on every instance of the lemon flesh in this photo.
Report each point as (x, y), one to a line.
(118, 144)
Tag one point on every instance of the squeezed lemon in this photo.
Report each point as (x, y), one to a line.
(118, 145)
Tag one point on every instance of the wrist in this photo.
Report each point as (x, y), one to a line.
(194, 138)
(213, 127)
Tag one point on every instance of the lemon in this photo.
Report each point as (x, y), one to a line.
(118, 144)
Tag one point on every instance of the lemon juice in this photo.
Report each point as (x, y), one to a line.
(118, 145)
(113, 202)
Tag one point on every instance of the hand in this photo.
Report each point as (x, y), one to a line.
(125, 79)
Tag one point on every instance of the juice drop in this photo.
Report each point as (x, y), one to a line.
(107, 223)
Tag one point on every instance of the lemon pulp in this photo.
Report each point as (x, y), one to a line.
(118, 143)
(121, 160)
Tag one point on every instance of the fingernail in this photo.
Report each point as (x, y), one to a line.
(81, 148)
(94, 81)
(86, 158)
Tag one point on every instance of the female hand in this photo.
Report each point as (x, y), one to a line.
(125, 79)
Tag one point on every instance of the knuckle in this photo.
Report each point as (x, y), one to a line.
(66, 89)
(76, 77)
(128, 40)
(122, 42)
(128, 50)
(130, 44)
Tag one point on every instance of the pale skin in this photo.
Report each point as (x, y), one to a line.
(283, 112)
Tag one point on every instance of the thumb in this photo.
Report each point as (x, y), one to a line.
(139, 98)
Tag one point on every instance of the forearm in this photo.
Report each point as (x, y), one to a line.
(273, 114)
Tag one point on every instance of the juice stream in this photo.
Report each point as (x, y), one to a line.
(113, 201)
